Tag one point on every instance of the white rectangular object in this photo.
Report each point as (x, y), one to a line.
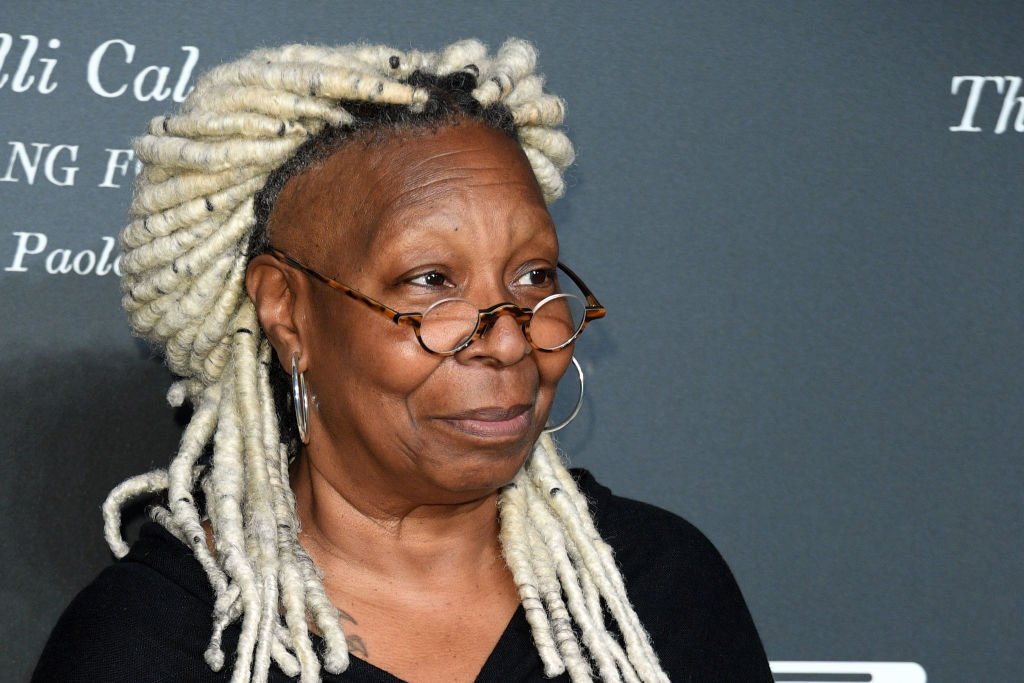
(873, 672)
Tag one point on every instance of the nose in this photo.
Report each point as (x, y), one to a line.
(500, 338)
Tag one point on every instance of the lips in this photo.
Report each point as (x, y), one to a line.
(492, 422)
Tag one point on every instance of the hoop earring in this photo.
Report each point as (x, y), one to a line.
(576, 409)
(300, 399)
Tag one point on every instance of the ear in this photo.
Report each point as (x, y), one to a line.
(276, 291)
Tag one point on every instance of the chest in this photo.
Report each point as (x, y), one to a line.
(425, 634)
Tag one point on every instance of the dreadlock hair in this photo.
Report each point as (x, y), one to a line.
(211, 174)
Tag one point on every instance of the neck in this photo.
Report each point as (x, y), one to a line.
(357, 525)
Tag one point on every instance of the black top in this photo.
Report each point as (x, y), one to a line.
(146, 618)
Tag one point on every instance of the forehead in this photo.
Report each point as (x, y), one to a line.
(372, 189)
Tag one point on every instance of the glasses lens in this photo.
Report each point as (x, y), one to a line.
(556, 320)
(448, 324)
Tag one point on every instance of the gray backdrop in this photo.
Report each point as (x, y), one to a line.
(810, 247)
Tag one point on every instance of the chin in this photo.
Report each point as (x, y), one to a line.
(479, 473)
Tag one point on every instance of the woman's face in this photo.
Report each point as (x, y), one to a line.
(419, 217)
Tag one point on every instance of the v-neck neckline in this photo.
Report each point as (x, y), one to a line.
(514, 648)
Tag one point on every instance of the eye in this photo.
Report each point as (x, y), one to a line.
(432, 280)
(537, 277)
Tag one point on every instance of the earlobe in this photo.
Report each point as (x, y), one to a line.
(272, 290)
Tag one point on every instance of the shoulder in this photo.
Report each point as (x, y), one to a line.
(144, 618)
(653, 546)
(681, 587)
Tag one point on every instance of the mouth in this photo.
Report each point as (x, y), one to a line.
(492, 423)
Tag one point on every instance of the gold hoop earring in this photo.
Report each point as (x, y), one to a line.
(300, 399)
(576, 409)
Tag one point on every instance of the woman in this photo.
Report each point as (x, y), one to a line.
(346, 255)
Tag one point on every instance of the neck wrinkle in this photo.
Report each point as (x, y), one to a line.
(414, 541)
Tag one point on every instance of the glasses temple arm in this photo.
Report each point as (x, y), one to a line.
(594, 308)
(354, 294)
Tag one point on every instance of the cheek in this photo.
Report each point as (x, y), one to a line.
(361, 360)
(551, 368)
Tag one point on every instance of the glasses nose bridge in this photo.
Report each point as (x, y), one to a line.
(489, 317)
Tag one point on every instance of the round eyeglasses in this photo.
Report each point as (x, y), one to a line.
(450, 325)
